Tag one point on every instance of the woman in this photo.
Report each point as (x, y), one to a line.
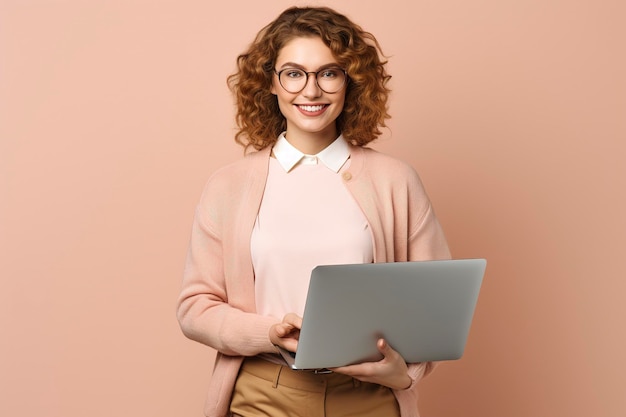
(311, 92)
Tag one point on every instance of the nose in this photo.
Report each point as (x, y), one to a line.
(311, 89)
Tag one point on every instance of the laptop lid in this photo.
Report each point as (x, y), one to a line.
(423, 309)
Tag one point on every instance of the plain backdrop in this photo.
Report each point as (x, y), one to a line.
(113, 113)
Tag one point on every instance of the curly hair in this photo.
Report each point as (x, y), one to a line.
(258, 116)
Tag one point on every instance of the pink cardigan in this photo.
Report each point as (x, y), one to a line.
(217, 304)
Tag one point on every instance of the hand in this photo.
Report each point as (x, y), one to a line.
(391, 371)
(286, 333)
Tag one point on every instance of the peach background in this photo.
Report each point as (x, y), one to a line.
(114, 113)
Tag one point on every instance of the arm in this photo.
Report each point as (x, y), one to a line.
(426, 242)
(216, 309)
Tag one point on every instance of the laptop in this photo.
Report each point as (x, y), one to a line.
(423, 309)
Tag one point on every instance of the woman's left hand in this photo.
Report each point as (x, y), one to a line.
(391, 371)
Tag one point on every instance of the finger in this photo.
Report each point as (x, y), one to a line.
(293, 319)
(286, 329)
(281, 331)
(290, 344)
(359, 369)
(389, 354)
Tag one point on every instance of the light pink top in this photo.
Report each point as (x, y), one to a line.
(307, 218)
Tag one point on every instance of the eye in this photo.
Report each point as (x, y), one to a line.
(293, 73)
(330, 73)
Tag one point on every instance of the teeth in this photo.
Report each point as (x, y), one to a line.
(311, 108)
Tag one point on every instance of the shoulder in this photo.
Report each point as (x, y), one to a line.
(376, 158)
(232, 176)
(227, 186)
(379, 166)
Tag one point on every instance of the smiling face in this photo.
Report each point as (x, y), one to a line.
(311, 113)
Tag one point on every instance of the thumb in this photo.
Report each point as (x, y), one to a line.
(383, 347)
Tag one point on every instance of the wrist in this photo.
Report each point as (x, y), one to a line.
(408, 382)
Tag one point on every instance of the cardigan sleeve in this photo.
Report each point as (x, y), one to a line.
(426, 239)
(216, 303)
(407, 398)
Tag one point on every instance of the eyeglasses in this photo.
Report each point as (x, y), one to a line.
(329, 80)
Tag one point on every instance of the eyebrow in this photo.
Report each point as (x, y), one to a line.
(294, 65)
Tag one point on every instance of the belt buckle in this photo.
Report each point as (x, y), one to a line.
(322, 371)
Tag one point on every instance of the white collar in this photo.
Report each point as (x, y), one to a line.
(334, 156)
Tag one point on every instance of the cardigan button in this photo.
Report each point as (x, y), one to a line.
(346, 176)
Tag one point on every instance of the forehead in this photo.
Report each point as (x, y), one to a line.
(308, 52)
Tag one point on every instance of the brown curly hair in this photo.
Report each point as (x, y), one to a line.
(258, 117)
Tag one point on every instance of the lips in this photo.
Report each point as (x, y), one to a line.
(312, 110)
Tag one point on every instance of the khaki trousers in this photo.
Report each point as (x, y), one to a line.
(267, 389)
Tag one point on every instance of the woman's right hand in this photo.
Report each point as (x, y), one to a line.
(286, 333)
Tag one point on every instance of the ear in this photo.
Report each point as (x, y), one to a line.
(273, 89)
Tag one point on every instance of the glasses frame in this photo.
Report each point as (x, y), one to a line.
(307, 73)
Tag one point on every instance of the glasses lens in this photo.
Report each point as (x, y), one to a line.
(292, 80)
(328, 80)
(331, 80)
